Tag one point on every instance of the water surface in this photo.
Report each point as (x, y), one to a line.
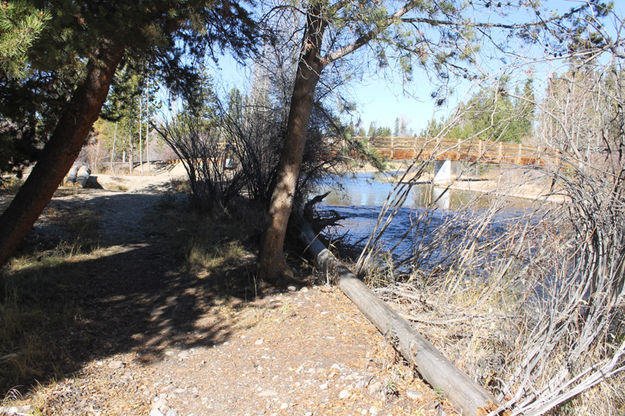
(427, 208)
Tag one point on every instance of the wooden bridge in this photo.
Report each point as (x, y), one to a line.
(423, 148)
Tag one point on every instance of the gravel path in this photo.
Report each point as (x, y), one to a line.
(165, 345)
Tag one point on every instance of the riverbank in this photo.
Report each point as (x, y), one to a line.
(515, 182)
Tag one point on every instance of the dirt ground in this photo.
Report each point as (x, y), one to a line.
(154, 340)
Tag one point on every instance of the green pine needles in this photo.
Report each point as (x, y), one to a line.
(20, 25)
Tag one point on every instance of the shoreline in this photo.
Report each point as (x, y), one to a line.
(496, 181)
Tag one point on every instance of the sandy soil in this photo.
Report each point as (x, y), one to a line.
(155, 340)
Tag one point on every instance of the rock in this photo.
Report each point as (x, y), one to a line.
(115, 364)
(267, 393)
(323, 386)
(284, 406)
(183, 355)
(373, 411)
(344, 394)
(291, 288)
(156, 412)
(259, 341)
(17, 410)
(413, 394)
(171, 412)
(374, 388)
(304, 289)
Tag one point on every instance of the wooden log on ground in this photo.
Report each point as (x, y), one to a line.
(466, 395)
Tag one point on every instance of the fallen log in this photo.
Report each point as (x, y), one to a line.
(466, 395)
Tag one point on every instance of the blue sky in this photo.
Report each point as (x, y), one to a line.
(380, 98)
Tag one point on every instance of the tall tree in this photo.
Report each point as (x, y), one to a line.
(439, 35)
(81, 47)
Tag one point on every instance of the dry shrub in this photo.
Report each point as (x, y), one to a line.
(533, 306)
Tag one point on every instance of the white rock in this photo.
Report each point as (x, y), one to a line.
(284, 406)
(373, 411)
(259, 341)
(344, 394)
(374, 388)
(115, 364)
(267, 393)
(323, 386)
(413, 394)
(171, 412)
(156, 412)
(17, 410)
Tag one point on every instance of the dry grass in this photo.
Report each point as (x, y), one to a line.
(40, 290)
(512, 311)
(36, 289)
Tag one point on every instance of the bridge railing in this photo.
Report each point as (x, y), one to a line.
(424, 148)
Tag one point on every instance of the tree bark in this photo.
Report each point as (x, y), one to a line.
(272, 265)
(60, 152)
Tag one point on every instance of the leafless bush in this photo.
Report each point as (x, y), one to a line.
(255, 136)
(204, 156)
(532, 304)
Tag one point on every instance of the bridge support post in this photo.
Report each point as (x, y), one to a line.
(442, 171)
(441, 197)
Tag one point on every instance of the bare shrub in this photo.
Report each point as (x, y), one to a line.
(204, 155)
(532, 304)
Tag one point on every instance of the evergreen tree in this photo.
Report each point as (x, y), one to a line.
(441, 37)
(72, 64)
(491, 114)
(21, 25)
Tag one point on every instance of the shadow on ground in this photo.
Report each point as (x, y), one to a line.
(127, 295)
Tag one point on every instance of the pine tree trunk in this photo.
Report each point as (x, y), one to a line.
(272, 265)
(59, 153)
(147, 143)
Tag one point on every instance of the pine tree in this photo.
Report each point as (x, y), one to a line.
(72, 64)
(21, 24)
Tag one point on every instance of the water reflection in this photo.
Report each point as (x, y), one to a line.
(360, 198)
(371, 190)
